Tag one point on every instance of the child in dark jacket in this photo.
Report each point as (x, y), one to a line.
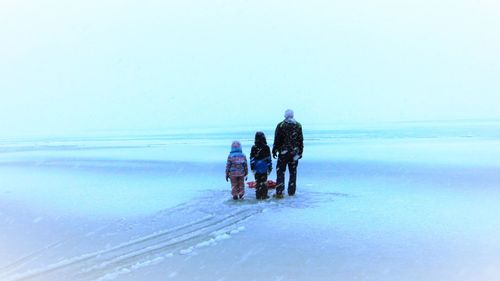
(237, 170)
(261, 164)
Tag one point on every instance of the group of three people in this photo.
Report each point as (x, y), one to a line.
(288, 147)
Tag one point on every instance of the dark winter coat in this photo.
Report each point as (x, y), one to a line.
(288, 138)
(260, 156)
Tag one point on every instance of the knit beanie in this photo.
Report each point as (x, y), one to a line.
(236, 144)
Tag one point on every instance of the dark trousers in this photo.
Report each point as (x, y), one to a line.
(285, 160)
(261, 186)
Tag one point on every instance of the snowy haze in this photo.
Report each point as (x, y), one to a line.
(409, 204)
(72, 66)
(122, 114)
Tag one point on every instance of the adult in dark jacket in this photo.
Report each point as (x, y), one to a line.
(261, 164)
(288, 147)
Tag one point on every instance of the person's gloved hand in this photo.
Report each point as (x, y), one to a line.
(246, 178)
(227, 178)
(296, 157)
(275, 154)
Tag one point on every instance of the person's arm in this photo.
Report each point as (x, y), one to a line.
(278, 140)
(245, 167)
(301, 141)
(228, 167)
(252, 158)
(269, 160)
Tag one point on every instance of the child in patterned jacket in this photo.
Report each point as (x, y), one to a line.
(237, 170)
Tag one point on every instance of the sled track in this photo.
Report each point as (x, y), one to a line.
(26, 259)
(126, 256)
(215, 221)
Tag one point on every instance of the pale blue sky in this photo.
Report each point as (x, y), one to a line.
(70, 66)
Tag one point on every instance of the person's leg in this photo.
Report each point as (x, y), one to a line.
(257, 191)
(280, 174)
(292, 183)
(234, 187)
(241, 187)
(258, 186)
(263, 193)
(262, 185)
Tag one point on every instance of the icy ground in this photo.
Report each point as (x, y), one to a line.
(420, 203)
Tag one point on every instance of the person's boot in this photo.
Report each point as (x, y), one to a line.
(235, 197)
(278, 195)
(241, 196)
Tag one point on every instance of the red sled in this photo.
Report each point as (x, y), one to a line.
(270, 184)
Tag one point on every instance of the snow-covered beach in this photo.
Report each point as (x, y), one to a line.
(406, 202)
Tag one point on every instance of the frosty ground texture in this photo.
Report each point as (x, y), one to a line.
(412, 202)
